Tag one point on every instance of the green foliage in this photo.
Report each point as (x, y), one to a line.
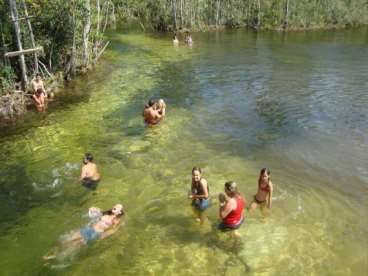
(160, 14)
(7, 76)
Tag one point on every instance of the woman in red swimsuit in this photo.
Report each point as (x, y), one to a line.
(264, 193)
(231, 209)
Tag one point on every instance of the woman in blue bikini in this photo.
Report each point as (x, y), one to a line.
(102, 225)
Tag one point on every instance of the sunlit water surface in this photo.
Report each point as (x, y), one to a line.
(237, 101)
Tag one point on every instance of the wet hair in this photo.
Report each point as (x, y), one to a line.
(196, 169)
(88, 156)
(231, 188)
(151, 102)
(38, 75)
(263, 170)
(110, 213)
(39, 91)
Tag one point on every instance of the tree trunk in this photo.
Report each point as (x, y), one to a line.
(286, 17)
(14, 15)
(97, 39)
(86, 30)
(74, 50)
(217, 12)
(107, 7)
(173, 3)
(31, 35)
(259, 13)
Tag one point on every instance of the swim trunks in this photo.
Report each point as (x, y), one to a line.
(257, 201)
(89, 234)
(227, 227)
(90, 183)
(201, 204)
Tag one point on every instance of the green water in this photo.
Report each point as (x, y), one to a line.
(237, 101)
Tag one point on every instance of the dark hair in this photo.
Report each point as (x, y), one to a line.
(110, 213)
(88, 156)
(38, 75)
(263, 170)
(39, 91)
(151, 102)
(196, 169)
(231, 188)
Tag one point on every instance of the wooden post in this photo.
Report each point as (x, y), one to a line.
(14, 15)
(31, 35)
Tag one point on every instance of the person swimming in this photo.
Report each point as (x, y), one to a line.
(102, 225)
(265, 189)
(89, 173)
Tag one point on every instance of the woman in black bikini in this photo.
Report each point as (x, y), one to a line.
(264, 193)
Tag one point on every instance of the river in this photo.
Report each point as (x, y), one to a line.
(237, 101)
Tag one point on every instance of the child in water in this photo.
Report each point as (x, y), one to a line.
(102, 224)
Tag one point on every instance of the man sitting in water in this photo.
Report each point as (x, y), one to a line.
(89, 174)
(153, 113)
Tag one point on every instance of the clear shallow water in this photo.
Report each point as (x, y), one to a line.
(237, 101)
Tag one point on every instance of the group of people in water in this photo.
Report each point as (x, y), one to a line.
(188, 39)
(103, 224)
(231, 203)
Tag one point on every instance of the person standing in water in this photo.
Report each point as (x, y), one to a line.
(89, 173)
(265, 190)
(231, 207)
(151, 115)
(199, 190)
(175, 40)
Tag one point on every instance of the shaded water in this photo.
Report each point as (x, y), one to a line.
(237, 101)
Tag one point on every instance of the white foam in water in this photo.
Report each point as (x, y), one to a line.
(55, 173)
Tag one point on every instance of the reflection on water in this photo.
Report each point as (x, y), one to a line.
(237, 101)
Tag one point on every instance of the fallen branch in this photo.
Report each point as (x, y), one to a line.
(22, 52)
(101, 52)
(45, 68)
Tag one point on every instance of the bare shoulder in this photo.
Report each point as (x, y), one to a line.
(203, 181)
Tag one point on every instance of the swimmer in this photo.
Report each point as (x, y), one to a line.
(265, 189)
(189, 39)
(39, 99)
(199, 190)
(175, 40)
(89, 173)
(102, 227)
(151, 115)
(37, 83)
(231, 210)
(160, 106)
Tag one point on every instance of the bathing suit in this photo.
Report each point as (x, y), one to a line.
(235, 218)
(257, 201)
(200, 203)
(90, 183)
(265, 188)
(224, 227)
(89, 234)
